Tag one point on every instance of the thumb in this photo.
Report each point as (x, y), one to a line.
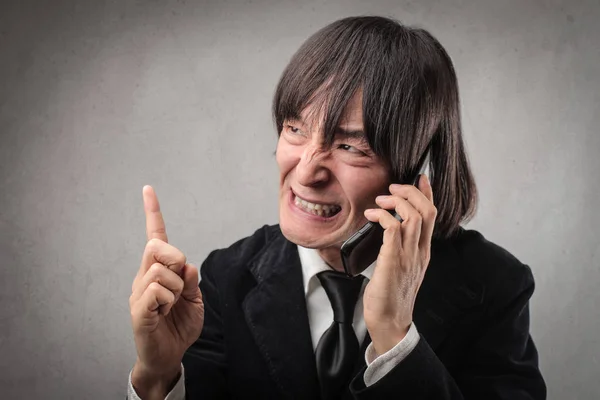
(191, 290)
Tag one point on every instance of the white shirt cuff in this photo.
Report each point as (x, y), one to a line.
(178, 392)
(378, 367)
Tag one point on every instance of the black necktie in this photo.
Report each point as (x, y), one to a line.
(337, 351)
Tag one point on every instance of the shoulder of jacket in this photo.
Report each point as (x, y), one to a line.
(502, 273)
(240, 253)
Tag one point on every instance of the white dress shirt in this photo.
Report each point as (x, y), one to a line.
(320, 317)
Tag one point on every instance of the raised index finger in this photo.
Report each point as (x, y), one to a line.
(155, 225)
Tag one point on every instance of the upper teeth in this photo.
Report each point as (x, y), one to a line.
(318, 209)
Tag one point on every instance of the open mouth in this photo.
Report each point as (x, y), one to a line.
(320, 209)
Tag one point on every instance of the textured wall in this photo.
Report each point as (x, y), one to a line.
(98, 98)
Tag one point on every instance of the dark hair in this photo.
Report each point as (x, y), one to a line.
(410, 102)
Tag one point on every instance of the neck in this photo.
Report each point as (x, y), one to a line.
(331, 255)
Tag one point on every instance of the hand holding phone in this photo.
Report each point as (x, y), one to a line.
(362, 248)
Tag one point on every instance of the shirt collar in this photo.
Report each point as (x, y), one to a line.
(312, 264)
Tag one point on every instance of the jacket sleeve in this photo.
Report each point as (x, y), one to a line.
(501, 364)
(205, 360)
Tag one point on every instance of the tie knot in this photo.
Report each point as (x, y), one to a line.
(343, 292)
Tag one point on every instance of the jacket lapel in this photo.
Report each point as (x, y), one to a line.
(275, 310)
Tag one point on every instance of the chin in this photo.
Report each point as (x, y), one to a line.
(301, 237)
(306, 235)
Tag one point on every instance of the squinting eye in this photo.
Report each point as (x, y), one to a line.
(350, 149)
(293, 129)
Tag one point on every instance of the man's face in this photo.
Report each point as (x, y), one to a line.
(323, 192)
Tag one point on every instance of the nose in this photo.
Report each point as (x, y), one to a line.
(312, 170)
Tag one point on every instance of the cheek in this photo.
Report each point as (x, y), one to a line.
(286, 158)
(361, 187)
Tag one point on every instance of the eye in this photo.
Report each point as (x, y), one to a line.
(350, 149)
(293, 129)
(293, 134)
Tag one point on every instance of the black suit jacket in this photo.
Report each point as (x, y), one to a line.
(471, 312)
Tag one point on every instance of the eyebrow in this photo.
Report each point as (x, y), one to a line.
(357, 134)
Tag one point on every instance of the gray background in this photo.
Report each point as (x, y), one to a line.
(98, 98)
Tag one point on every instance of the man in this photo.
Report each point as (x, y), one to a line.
(441, 314)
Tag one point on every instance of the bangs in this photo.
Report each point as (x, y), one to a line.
(324, 73)
(327, 70)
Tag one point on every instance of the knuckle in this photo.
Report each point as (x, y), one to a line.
(431, 211)
(131, 302)
(156, 273)
(155, 270)
(154, 244)
(394, 229)
(417, 217)
(396, 225)
(134, 313)
(154, 287)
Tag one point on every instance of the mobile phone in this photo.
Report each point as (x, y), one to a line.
(362, 248)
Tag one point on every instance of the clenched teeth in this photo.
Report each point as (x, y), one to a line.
(322, 210)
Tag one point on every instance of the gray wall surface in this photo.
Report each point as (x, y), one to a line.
(98, 98)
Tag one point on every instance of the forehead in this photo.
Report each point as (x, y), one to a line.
(352, 115)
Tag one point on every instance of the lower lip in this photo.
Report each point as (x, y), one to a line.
(304, 214)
